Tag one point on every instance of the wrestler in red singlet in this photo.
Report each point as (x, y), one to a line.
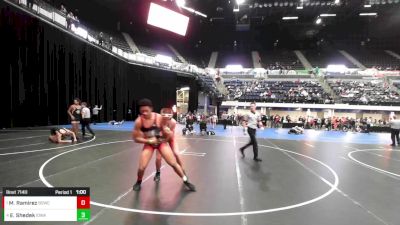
(149, 132)
(168, 124)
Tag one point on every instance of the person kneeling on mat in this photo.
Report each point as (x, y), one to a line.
(58, 135)
(148, 131)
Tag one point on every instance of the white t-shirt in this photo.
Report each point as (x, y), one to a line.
(395, 124)
(96, 110)
(85, 113)
(253, 119)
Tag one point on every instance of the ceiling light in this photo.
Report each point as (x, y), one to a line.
(327, 15)
(318, 21)
(367, 6)
(239, 2)
(368, 14)
(290, 18)
(180, 3)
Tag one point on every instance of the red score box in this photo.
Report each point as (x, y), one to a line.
(83, 202)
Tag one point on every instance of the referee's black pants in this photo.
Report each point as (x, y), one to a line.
(395, 133)
(86, 124)
(253, 141)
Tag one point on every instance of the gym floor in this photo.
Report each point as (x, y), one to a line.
(320, 177)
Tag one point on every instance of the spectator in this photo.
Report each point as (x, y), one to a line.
(63, 9)
(101, 39)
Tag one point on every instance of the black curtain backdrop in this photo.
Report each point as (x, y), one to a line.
(43, 69)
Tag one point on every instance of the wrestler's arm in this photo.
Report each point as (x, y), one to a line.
(169, 131)
(69, 111)
(138, 136)
(60, 140)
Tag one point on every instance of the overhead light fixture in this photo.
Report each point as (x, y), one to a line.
(337, 2)
(367, 6)
(327, 15)
(233, 68)
(368, 14)
(290, 18)
(200, 14)
(299, 7)
(318, 21)
(185, 89)
(236, 9)
(194, 11)
(239, 2)
(180, 3)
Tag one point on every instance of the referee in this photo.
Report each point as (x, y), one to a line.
(394, 130)
(253, 121)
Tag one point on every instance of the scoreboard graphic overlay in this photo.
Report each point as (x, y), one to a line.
(46, 204)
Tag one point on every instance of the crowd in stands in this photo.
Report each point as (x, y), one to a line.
(281, 67)
(327, 123)
(277, 91)
(208, 84)
(360, 92)
(387, 68)
(333, 123)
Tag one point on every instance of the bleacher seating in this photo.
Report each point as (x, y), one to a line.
(375, 59)
(396, 84)
(228, 58)
(323, 58)
(161, 50)
(207, 84)
(364, 92)
(279, 91)
(285, 59)
(198, 57)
